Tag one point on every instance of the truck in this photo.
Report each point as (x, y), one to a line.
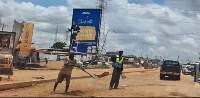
(6, 52)
(171, 69)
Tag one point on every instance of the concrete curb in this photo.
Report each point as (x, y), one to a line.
(27, 84)
(23, 84)
(30, 83)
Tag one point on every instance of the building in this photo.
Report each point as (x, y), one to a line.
(109, 54)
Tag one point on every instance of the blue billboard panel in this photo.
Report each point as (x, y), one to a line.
(85, 30)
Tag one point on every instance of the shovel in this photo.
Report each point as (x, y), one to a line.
(123, 76)
(95, 76)
(92, 76)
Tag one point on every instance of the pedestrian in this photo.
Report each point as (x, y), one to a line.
(46, 61)
(117, 71)
(66, 71)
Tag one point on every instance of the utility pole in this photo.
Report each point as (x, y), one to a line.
(102, 36)
(55, 40)
(67, 36)
(142, 50)
(104, 40)
(3, 26)
(0, 20)
(178, 58)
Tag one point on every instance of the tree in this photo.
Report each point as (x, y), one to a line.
(59, 45)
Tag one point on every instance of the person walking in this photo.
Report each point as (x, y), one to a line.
(66, 71)
(117, 71)
(46, 61)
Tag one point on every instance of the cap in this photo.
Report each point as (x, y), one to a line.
(120, 51)
(71, 51)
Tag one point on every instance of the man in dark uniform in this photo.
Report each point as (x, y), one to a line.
(117, 71)
(75, 29)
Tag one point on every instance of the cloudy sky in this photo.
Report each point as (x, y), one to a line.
(166, 28)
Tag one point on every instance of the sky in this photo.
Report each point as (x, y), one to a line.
(167, 29)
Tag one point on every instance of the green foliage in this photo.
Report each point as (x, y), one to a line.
(132, 66)
(102, 67)
(59, 45)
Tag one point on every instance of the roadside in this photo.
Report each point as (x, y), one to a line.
(140, 82)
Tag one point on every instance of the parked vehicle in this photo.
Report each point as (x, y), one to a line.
(182, 67)
(155, 65)
(87, 62)
(170, 68)
(96, 62)
(193, 72)
(92, 62)
(187, 69)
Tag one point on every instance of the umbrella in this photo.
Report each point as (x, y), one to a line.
(32, 48)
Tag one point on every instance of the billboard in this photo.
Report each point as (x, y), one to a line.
(26, 40)
(6, 42)
(17, 27)
(85, 30)
(6, 52)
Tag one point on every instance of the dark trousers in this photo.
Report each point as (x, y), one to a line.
(115, 78)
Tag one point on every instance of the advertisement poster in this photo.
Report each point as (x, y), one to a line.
(85, 30)
(6, 42)
(26, 40)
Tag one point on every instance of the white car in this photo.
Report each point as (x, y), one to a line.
(183, 67)
(187, 69)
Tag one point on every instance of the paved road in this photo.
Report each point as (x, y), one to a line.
(139, 83)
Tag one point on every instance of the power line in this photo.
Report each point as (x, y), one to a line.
(114, 12)
(122, 35)
(77, 2)
(161, 18)
(158, 4)
(46, 15)
(122, 7)
(149, 17)
(42, 11)
(56, 34)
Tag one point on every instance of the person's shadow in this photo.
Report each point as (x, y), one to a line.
(76, 92)
(72, 93)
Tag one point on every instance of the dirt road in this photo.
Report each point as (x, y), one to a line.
(139, 83)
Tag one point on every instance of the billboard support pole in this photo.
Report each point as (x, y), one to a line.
(102, 35)
(197, 73)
